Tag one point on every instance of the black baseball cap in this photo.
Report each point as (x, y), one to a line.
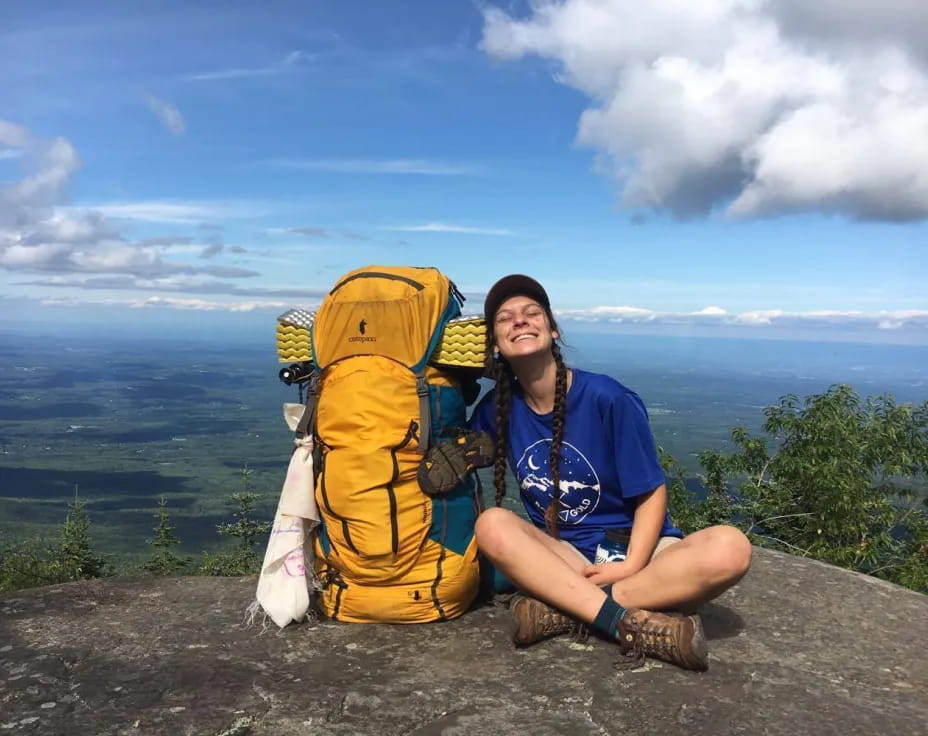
(515, 284)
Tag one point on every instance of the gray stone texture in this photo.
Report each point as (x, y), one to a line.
(798, 647)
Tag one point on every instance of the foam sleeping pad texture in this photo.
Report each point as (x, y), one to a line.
(462, 344)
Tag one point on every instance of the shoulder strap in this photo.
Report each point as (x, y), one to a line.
(307, 423)
(425, 412)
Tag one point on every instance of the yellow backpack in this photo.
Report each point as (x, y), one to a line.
(385, 550)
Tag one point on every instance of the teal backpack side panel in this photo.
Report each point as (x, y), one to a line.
(448, 411)
(324, 538)
(454, 516)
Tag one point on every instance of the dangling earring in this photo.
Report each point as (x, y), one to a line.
(495, 353)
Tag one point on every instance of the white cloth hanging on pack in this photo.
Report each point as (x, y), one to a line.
(283, 587)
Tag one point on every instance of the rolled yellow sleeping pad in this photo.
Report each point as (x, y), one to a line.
(294, 343)
(462, 342)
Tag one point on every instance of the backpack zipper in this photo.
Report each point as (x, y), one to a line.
(394, 526)
(325, 502)
(378, 275)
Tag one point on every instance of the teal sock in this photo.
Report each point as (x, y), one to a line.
(607, 620)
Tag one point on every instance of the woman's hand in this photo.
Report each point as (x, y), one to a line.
(610, 572)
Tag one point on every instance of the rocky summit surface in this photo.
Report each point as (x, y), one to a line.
(797, 648)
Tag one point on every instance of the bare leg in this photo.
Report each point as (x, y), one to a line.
(683, 575)
(537, 563)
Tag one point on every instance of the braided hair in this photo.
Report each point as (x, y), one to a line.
(500, 371)
(560, 411)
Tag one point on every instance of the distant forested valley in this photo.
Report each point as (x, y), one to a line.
(128, 422)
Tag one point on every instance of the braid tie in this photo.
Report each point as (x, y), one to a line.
(557, 437)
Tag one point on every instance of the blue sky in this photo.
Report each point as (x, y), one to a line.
(714, 167)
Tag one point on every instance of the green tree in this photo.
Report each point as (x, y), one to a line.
(839, 485)
(718, 506)
(681, 501)
(912, 567)
(74, 559)
(163, 560)
(243, 559)
(246, 529)
(23, 564)
(687, 511)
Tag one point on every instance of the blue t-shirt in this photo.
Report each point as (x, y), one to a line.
(608, 458)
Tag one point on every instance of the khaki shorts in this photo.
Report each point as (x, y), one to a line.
(662, 544)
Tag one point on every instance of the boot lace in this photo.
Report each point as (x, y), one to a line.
(649, 639)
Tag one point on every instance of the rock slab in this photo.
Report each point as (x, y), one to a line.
(798, 647)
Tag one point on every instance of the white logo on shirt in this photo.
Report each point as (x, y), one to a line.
(579, 484)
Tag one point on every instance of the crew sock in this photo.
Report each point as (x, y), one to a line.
(607, 620)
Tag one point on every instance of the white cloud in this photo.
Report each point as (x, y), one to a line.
(762, 323)
(289, 63)
(179, 283)
(52, 163)
(311, 231)
(407, 166)
(189, 212)
(759, 107)
(14, 136)
(206, 305)
(26, 257)
(842, 21)
(158, 302)
(169, 115)
(39, 235)
(443, 227)
(771, 318)
(761, 317)
(609, 314)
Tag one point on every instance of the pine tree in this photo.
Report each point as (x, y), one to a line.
(163, 561)
(244, 559)
(23, 564)
(74, 558)
(245, 528)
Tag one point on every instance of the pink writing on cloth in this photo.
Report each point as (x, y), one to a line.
(283, 588)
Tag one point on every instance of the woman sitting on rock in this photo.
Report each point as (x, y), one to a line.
(601, 550)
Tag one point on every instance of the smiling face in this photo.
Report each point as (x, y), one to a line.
(521, 328)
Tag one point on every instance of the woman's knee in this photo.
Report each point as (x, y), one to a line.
(729, 552)
(494, 528)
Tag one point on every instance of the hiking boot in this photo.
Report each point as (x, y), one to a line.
(533, 621)
(447, 463)
(672, 637)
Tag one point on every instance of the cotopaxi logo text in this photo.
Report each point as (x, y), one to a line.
(362, 327)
